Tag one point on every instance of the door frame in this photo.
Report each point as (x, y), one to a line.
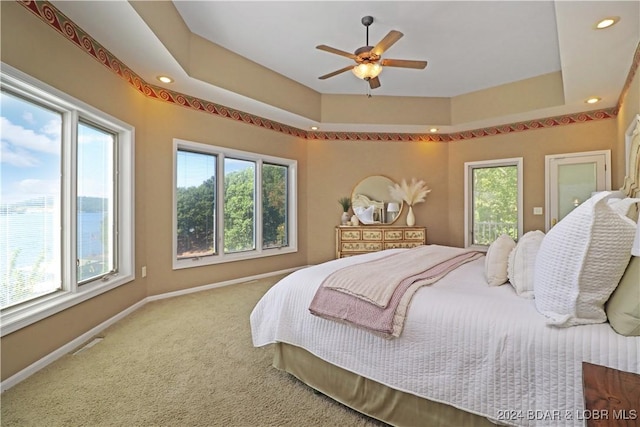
(547, 174)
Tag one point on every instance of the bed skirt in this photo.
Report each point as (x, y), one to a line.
(367, 396)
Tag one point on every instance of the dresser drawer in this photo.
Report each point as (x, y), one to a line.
(355, 240)
(403, 245)
(361, 246)
(393, 235)
(350, 235)
(414, 235)
(372, 235)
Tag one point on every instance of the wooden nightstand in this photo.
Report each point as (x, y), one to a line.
(611, 397)
(355, 240)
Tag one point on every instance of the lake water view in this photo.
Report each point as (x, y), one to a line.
(29, 250)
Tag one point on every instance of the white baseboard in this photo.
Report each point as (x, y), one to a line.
(68, 347)
(220, 284)
(77, 342)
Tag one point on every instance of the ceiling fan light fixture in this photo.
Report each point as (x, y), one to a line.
(367, 70)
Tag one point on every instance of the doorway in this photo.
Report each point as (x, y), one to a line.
(571, 178)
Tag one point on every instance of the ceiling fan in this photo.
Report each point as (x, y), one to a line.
(368, 58)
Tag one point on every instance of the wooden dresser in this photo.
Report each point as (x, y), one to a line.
(354, 240)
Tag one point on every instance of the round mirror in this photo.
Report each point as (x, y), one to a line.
(372, 203)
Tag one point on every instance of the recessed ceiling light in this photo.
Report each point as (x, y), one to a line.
(593, 100)
(314, 127)
(607, 22)
(433, 130)
(165, 79)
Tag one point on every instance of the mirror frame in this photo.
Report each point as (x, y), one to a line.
(378, 197)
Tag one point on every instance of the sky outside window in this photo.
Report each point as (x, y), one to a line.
(31, 141)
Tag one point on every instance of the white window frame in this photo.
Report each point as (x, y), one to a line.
(468, 195)
(259, 252)
(19, 316)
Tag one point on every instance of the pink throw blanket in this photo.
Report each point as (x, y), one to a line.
(333, 304)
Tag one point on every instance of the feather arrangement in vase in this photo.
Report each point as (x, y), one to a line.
(345, 202)
(411, 193)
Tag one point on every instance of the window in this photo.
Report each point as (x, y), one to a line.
(95, 216)
(196, 204)
(493, 200)
(231, 205)
(66, 210)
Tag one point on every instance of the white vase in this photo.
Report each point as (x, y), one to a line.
(411, 219)
(344, 220)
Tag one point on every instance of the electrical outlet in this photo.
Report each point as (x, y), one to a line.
(537, 211)
(144, 271)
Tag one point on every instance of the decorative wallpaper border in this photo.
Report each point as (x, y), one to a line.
(61, 23)
(470, 134)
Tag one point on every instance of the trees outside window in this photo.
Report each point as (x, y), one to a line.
(493, 200)
(248, 213)
(275, 206)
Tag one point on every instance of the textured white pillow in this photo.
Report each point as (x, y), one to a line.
(495, 263)
(521, 262)
(627, 207)
(580, 263)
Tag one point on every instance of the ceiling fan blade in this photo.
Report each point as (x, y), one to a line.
(374, 83)
(341, 70)
(403, 63)
(336, 51)
(387, 42)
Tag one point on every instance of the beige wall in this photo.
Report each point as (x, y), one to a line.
(214, 64)
(165, 122)
(525, 95)
(532, 146)
(327, 170)
(335, 167)
(34, 48)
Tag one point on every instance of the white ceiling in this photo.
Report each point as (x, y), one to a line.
(462, 58)
(469, 45)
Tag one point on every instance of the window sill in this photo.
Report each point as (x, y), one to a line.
(230, 257)
(16, 318)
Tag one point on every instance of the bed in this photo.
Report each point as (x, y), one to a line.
(469, 353)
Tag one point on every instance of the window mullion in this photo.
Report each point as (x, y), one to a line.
(69, 201)
(116, 204)
(220, 205)
(257, 211)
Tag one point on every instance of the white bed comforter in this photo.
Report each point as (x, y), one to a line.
(479, 348)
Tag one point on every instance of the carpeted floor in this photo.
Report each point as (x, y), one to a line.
(185, 361)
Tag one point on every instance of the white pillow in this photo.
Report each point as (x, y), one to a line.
(521, 262)
(580, 263)
(495, 263)
(627, 207)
